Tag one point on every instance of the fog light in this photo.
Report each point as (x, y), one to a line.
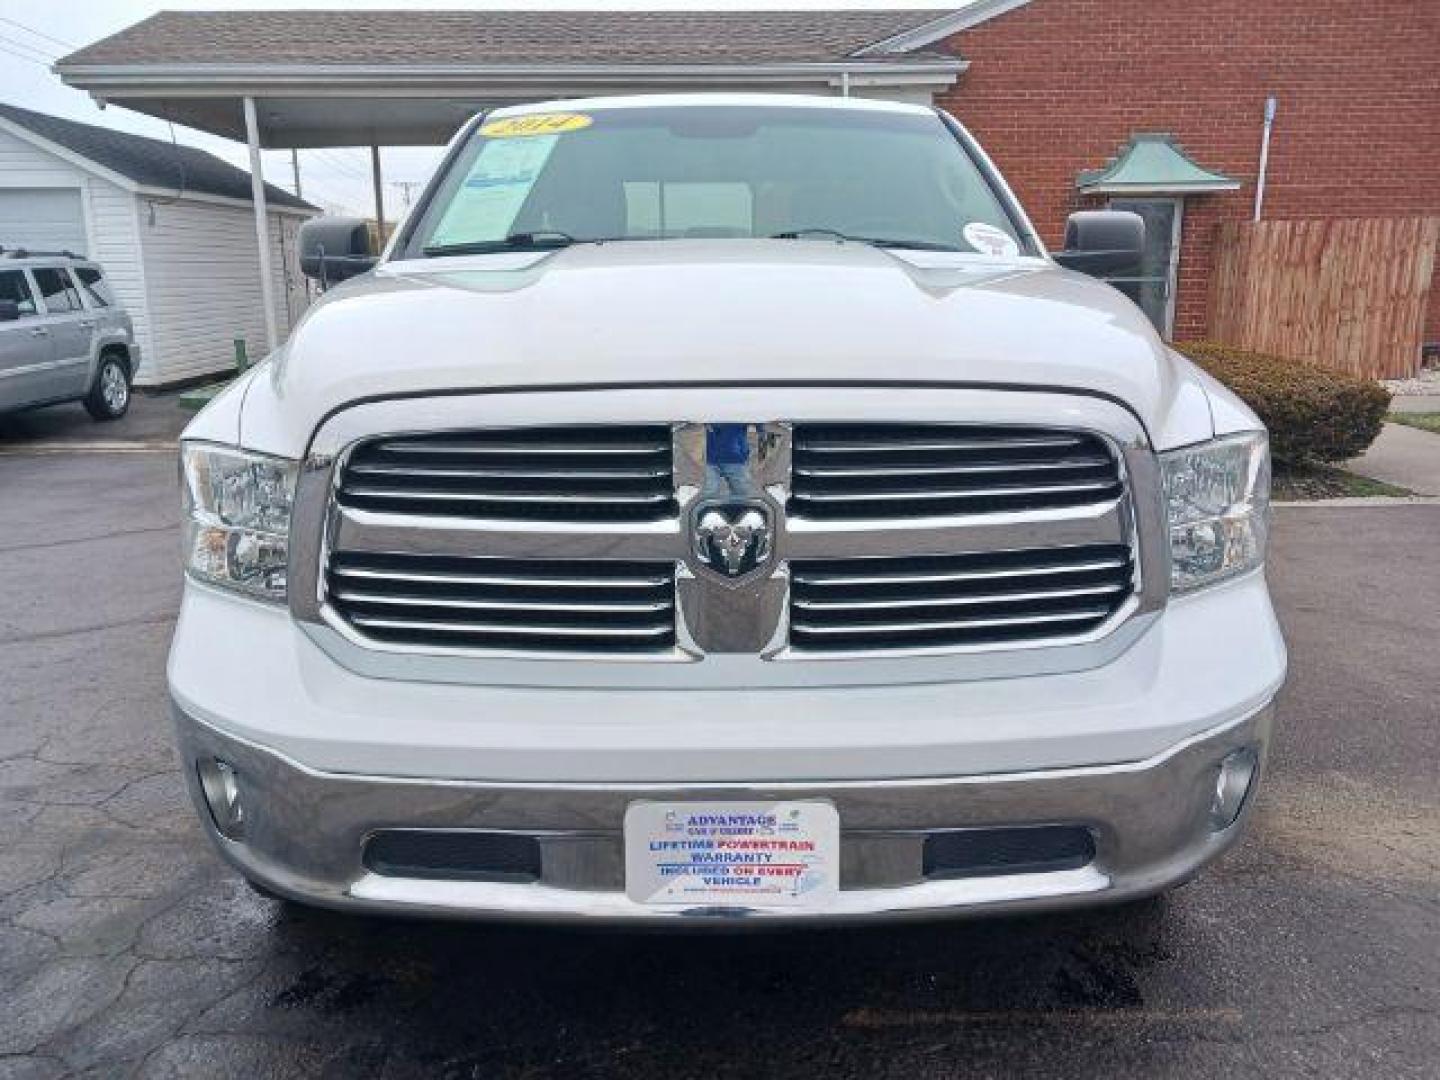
(1232, 784)
(220, 783)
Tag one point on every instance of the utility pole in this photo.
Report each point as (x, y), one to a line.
(295, 168)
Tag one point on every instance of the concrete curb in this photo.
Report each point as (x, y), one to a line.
(91, 447)
(1364, 501)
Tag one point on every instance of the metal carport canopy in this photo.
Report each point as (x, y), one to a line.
(310, 79)
(398, 105)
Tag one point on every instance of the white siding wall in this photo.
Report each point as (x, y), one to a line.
(110, 217)
(22, 165)
(202, 273)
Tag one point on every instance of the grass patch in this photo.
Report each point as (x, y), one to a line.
(1300, 483)
(1425, 421)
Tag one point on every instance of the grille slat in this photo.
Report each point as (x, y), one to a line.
(596, 473)
(902, 471)
(504, 498)
(888, 603)
(912, 492)
(490, 630)
(442, 577)
(656, 447)
(940, 577)
(587, 607)
(931, 626)
(899, 604)
(841, 471)
(897, 439)
(452, 472)
(534, 606)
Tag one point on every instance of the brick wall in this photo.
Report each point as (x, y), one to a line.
(1058, 86)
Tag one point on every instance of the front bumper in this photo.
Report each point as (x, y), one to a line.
(304, 831)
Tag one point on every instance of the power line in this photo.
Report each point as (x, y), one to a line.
(341, 165)
(39, 33)
(38, 63)
(35, 49)
(323, 192)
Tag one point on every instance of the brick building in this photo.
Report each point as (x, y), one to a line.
(1055, 87)
(1056, 90)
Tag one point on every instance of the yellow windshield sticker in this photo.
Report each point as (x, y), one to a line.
(513, 127)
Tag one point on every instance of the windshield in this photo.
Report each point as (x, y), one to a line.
(715, 171)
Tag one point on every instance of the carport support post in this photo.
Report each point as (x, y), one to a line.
(262, 224)
(379, 195)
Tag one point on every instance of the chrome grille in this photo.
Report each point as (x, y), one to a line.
(521, 605)
(593, 473)
(888, 470)
(911, 602)
(439, 526)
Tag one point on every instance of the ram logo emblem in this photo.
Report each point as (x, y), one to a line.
(734, 539)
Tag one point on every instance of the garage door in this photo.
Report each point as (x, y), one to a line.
(44, 219)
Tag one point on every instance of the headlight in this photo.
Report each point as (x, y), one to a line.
(1217, 499)
(237, 518)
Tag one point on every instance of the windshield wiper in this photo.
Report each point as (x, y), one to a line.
(873, 241)
(539, 240)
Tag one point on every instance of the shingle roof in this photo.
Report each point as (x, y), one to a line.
(149, 162)
(501, 37)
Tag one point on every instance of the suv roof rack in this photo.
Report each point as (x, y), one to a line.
(26, 253)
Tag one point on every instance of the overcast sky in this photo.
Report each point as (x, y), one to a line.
(33, 33)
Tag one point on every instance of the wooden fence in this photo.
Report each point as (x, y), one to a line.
(1348, 294)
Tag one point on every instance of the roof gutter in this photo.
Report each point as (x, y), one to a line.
(224, 80)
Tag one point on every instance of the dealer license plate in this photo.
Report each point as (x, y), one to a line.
(732, 854)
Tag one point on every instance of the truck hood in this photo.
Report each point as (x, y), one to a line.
(717, 312)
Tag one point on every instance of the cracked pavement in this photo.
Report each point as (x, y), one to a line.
(127, 949)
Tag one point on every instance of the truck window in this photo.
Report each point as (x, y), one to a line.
(13, 286)
(717, 171)
(57, 289)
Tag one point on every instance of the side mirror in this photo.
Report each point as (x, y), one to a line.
(9, 310)
(1103, 243)
(335, 248)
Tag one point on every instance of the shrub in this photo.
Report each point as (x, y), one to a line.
(1315, 415)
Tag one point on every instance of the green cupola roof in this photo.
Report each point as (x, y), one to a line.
(1153, 164)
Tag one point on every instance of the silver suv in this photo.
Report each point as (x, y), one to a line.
(63, 335)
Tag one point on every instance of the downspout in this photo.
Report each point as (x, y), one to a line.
(1264, 156)
(844, 84)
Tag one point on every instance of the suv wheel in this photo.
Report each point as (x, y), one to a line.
(109, 398)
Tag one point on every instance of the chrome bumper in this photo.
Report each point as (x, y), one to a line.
(304, 831)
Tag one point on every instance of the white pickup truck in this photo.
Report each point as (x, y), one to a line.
(723, 508)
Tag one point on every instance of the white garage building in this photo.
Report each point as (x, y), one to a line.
(172, 226)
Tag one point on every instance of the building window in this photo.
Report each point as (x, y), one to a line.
(1153, 288)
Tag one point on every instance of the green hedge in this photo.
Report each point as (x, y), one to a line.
(1315, 415)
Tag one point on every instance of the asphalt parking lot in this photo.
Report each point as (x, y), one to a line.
(127, 949)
